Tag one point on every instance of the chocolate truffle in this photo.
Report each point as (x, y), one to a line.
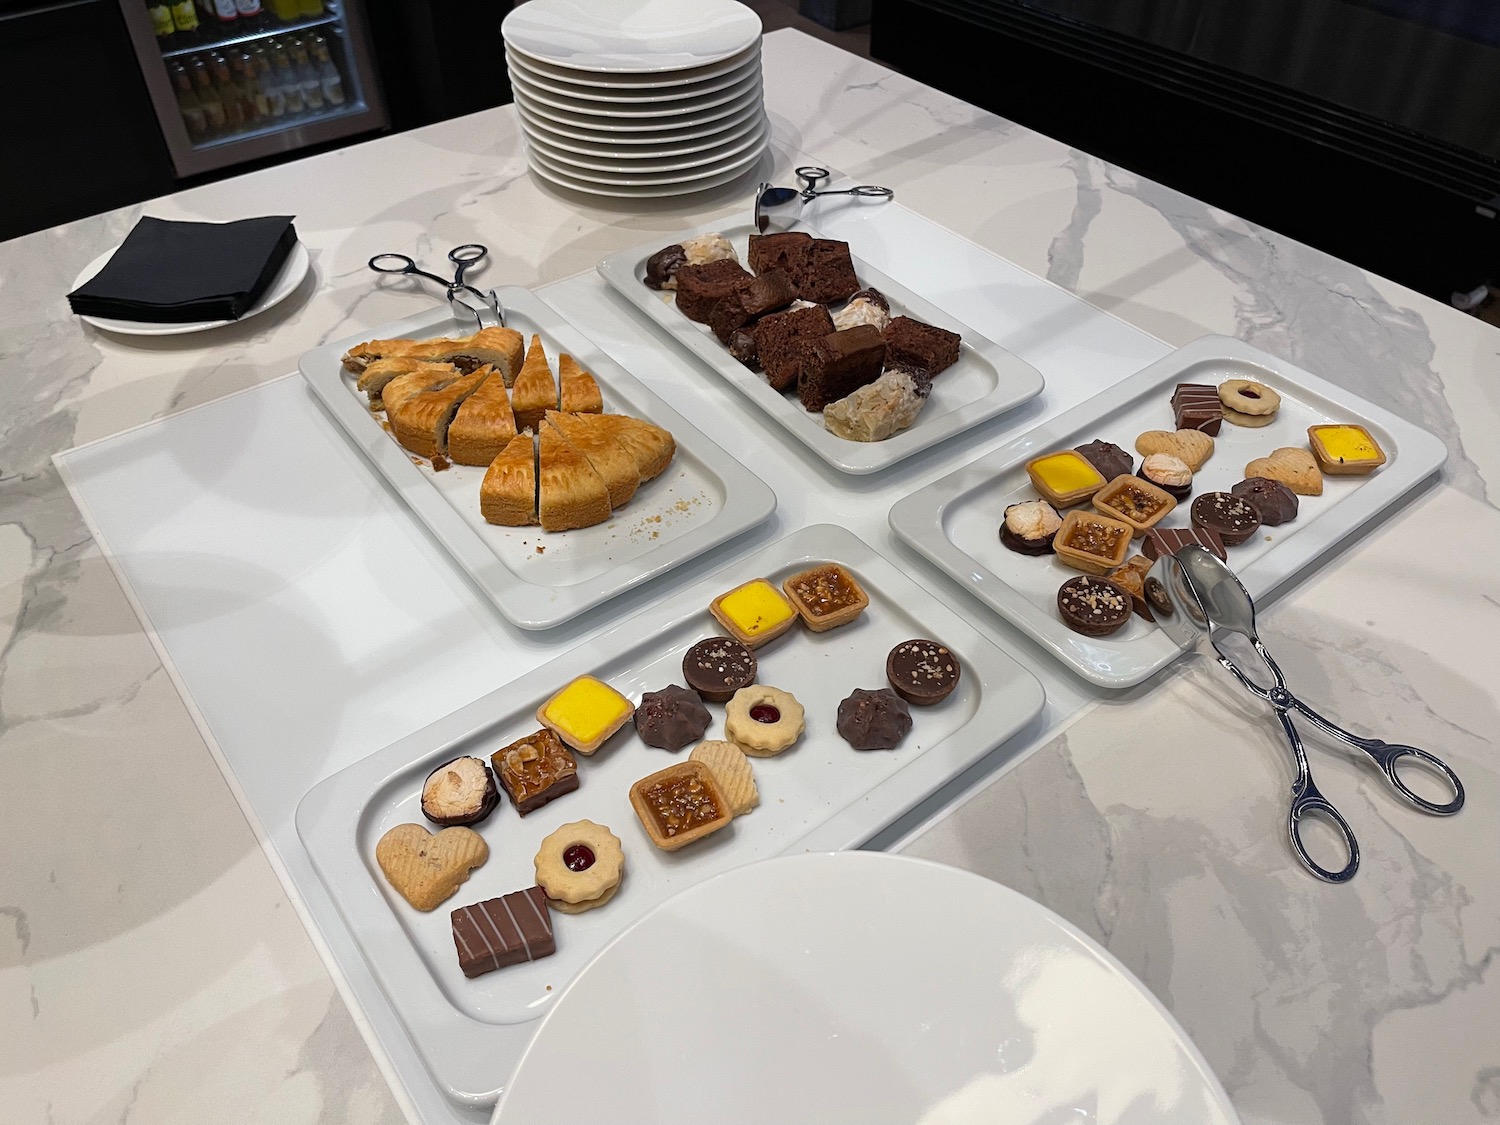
(662, 267)
(1233, 517)
(1273, 501)
(1107, 457)
(873, 720)
(671, 718)
(718, 667)
(922, 671)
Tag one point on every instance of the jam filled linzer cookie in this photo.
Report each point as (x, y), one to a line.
(1248, 403)
(1274, 501)
(754, 613)
(826, 596)
(1095, 607)
(459, 792)
(873, 720)
(579, 866)
(1234, 518)
(733, 772)
(922, 671)
(535, 769)
(427, 868)
(1030, 527)
(502, 931)
(718, 667)
(763, 721)
(680, 804)
(585, 713)
(671, 718)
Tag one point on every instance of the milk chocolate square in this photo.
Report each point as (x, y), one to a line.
(503, 931)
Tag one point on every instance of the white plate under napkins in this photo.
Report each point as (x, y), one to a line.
(282, 286)
(831, 988)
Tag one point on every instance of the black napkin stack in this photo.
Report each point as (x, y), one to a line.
(170, 273)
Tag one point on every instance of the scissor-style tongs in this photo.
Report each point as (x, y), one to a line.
(466, 301)
(786, 203)
(1194, 595)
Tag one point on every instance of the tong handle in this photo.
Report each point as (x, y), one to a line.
(1387, 756)
(1307, 801)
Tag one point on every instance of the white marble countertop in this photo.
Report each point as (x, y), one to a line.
(152, 967)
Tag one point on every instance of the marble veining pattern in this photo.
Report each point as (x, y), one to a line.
(151, 968)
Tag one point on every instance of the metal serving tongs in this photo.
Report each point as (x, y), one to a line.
(784, 203)
(466, 302)
(1195, 595)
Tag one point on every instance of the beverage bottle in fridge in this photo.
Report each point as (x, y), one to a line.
(208, 96)
(185, 17)
(244, 74)
(286, 79)
(328, 72)
(236, 116)
(310, 7)
(226, 11)
(161, 21)
(287, 10)
(260, 66)
(312, 87)
(249, 14)
(194, 118)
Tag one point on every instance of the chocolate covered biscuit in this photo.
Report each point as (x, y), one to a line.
(503, 931)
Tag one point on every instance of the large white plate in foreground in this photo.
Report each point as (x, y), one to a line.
(536, 579)
(986, 381)
(955, 521)
(817, 796)
(282, 286)
(858, 987)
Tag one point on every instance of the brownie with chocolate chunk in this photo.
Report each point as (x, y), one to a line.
(838, 364)
(778, 340)
(700, 288)
(783, 251)
(765, 294)
(919, 349)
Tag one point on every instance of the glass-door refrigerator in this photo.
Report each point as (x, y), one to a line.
(236, 80)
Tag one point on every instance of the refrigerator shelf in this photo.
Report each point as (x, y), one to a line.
(291, 27)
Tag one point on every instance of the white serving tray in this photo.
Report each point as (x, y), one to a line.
(955, 521)
(986, 381)
(535, 578)
(820, 795)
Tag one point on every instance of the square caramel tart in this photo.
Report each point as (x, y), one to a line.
(503, 931)
(680, 804)
(1092, 543)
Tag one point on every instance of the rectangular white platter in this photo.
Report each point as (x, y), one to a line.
(534, 578)
(955, 521)
(986, 381)
(819, 795)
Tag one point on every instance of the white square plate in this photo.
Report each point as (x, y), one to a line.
(535, 578)
(955, 521)
(819, 795)
(987, 380)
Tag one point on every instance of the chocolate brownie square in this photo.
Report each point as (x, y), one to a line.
(919, 349)
(700, 288)
(778, 252)
(838, 364)
(777, 340)
(766, 293)
(826, 272)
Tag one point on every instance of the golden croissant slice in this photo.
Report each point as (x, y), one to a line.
(499, 347)
(651, 446)
(612, 461)
(535, 391)
(421, 421)
(578, 392)
(570, 493)
(507, 495)
(484, 424)
(422, 377)
(380, 372)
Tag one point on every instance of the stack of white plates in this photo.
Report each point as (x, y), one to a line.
(637, 97)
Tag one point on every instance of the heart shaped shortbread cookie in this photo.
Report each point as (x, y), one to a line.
(1293, 467)
(1192, 446)
(428, 868)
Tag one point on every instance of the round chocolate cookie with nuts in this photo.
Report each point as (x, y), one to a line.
(719, 667)
(1095, 607)
(922, 671)
(1233, 517)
